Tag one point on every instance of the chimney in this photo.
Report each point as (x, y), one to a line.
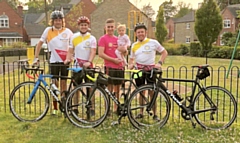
(20, 9)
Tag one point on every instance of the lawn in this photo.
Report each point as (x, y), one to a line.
(58, 129)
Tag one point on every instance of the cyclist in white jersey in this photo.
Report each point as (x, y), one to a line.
(143, 53)
(83, 45)
(57, 37)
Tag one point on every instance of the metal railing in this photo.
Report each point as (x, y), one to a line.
(11, 76)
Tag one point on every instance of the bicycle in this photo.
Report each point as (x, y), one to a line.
(94, 102)
(213, 107)
(29, 101)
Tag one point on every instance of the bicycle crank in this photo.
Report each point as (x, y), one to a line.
(185, 115)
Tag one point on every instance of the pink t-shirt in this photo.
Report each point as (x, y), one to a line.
(110, 45)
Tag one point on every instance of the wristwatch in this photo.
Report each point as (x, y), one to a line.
(160, 62)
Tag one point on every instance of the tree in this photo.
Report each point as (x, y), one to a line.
(148, 10)
(208, 24)
(229, 39)
(161, 30)
(74, 14)
(183, 9)
(169, 9)
(36, 6)
(224, 3)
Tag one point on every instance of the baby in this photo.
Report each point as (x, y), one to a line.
(123, 43)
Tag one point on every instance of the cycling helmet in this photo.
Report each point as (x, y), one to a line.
(139, 26)
(83, 19)
(57, 14)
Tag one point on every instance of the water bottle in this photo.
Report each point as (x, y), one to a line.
(55, 89)
(175, 93)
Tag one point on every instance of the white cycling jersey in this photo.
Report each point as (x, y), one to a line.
(58, 42)
(145, 52)
(82, 44)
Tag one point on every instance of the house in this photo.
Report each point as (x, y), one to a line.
(170, 28)
(184, 28)
(11, 24)
(34, 25)
(230, 21)
(123, 12)
(74, 9)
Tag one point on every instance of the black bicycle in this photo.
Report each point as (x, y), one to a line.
(92, 102)
(29, 101)
(213, 107)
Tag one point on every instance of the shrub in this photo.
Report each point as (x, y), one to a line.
(195, 49)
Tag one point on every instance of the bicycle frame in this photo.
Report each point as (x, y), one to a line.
(182, 105)
(38, 82)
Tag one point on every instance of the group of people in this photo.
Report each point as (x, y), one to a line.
(63, 44)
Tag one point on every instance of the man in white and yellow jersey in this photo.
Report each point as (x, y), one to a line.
(143, 53)
(57, 37)
(83, 45)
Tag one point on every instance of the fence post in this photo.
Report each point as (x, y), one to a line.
(30, 54)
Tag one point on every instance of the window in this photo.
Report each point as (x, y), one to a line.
(188, 26)
(154, 29)
(187, 39)
(4, 21)
(226, 24)
(9, 41)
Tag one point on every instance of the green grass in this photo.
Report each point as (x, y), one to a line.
(58, 129)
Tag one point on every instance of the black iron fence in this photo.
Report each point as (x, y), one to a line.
(11, 75)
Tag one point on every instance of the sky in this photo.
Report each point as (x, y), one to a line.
(156, 3)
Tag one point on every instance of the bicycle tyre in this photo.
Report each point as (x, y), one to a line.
(82, 118)
(23, 111)
(225, 103)
(147, 121)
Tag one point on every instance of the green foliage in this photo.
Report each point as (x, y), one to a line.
(208, 24)
(195, 49)
(184, 49)
(169, 9)
(36, 6)
(161, 30)
(76, 12)
(224, 3)
(148, 10)
(19, 45)
(183, 9)
(173, 49)
(229, 39)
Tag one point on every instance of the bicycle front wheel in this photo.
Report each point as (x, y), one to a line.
(140, 100)
(223, 115)
(23, 111)
(86, 106)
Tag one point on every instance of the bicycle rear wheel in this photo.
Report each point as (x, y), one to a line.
(223, 116)
(23, 111)
(138, 103)
(84, 111)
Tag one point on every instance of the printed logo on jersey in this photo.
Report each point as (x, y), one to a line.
(64, 37)
(62, 54)
(146, 50)
(87, 45)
